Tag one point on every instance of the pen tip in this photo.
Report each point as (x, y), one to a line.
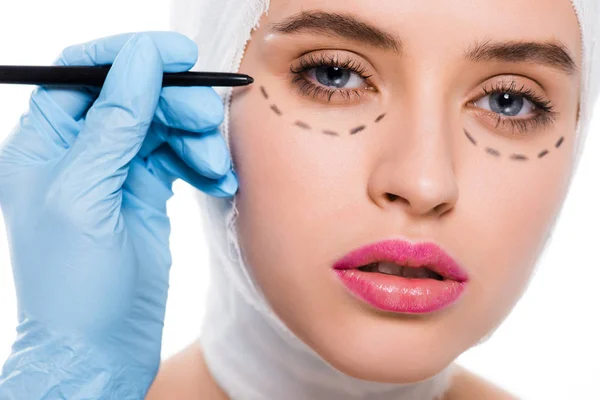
(250, 79)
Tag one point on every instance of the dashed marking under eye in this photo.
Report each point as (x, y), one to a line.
(493, 152)
(543, 153)
(357, 129)
(470, 138)
(560, 141)
(275, 109)
(264, 92)
(302, 125)
(518, 157)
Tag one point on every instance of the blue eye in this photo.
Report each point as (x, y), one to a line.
(506, 104)
(339, 77)
(332, 76)
(520, 108)
(336, 77)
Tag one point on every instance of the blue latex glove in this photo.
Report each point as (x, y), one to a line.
(84, 181)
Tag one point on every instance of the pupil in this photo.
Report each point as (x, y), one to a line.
(506, 103)
(332, 76)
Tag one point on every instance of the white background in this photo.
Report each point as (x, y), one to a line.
(548, 348)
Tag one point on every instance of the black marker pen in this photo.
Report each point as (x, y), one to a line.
(96, 75)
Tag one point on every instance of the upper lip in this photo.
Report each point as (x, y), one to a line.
(403, 253)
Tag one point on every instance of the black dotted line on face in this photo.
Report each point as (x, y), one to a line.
(470, 138)
(305, 126)
(276, 109)
(519, 157)
(560, 141)
(493, 152)
(354, 131)
(514, 157)
(302, 125)
(264, 92)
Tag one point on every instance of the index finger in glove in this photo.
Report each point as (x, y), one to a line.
(177, 51)
(51, 125)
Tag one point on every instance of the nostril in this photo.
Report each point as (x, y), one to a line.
(442, 208)
(391, 197)
(395, 197)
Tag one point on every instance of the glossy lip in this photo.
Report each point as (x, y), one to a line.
(424, 254)
(396, 293)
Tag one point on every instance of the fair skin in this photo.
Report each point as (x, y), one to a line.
(414, 175)
(187, 375)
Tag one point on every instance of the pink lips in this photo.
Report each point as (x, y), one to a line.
(396, 293)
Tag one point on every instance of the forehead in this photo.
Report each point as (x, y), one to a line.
(453, 23)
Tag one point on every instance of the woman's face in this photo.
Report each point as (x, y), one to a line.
(473, 153)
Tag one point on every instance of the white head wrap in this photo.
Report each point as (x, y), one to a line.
(250, 352)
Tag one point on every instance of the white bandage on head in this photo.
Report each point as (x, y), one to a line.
(249, 351)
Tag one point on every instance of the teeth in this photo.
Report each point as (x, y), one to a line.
(389, 268)
(408, 272)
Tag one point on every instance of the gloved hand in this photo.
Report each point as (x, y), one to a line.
(84, 183)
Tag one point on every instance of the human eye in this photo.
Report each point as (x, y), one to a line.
(518, 108)
(331, 77)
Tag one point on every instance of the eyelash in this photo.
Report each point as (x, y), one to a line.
(543, 109)
(544, 114)
(308, 88)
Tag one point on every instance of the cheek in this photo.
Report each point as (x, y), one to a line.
(290, 177)
(293, 193)
(505, 213)
(287, 177)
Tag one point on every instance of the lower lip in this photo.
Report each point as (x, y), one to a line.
(401, 295)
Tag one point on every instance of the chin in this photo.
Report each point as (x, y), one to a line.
(379, 359)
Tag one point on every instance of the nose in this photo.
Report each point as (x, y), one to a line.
(415, 171)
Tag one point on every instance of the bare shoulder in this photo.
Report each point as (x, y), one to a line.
(186, 376)
(468, 386)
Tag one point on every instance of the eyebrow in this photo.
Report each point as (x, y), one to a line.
(344, 26)
(551, 53)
